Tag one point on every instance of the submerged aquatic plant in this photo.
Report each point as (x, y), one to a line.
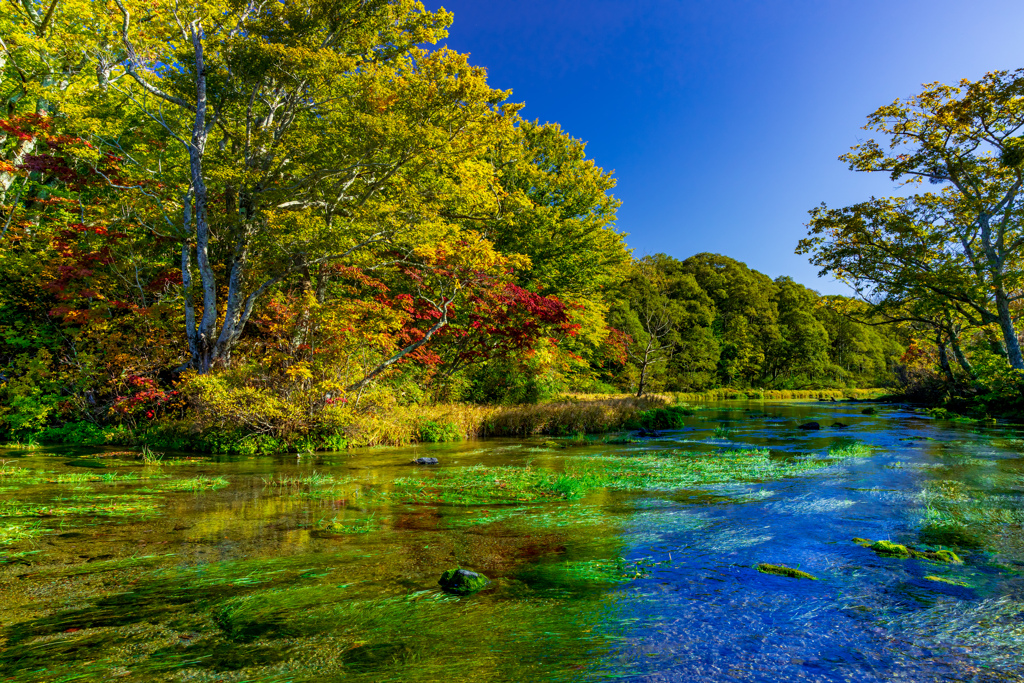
(992, 630)
(849, 450)
(18, 532)
(201, 482)
(943, 579)
(313, 480)
(359, 526)
(782, 570)
(657, 471)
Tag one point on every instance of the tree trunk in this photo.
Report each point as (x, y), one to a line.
(958, 354)
(944, 359)
(1010, 341)
(205, 352)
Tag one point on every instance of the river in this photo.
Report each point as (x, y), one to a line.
(324, 567)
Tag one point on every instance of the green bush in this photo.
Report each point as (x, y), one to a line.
(75, 433)
(660, 418)
(431, 431)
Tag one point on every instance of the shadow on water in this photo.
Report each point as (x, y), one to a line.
(635, 560)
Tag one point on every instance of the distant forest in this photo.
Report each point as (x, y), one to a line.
(711, 321)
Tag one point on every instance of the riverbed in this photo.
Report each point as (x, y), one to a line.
(323, 567)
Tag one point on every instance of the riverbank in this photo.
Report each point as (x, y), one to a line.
(212, 430)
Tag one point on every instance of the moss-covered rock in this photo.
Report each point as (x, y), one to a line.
(862, 541)
(947, 556)
(869, 411)
(780, 570)
(890, 549)
(462, 582)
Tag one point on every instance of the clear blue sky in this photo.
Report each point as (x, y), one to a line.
(722, 119)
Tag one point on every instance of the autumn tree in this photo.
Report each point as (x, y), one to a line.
(295, 136)
(962, 243)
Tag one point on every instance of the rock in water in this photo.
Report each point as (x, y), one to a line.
(810, 425)
(869, 411)
(838, 425)
(462, 582)
(425, 461)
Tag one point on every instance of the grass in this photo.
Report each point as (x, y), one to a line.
(572, 416)
(149, 456)
(781, 394)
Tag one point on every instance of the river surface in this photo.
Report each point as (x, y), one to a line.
(308, 569)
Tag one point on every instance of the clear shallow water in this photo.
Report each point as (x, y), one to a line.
(243, 583)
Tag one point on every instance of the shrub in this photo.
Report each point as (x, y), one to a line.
(75, 433)
(435, 431)
(660, 418)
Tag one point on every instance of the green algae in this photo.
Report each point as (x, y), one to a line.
(781, 570)
(890, 549)
(943, 579)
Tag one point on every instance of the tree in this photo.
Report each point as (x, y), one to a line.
(746, 316)
(801, 347)
(296, 136)
(649, 318)
(961, 244)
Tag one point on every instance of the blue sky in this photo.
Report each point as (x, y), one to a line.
(723, 119)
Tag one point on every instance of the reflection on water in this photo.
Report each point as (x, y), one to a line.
(321, 569)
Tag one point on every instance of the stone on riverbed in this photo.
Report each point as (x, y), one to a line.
(425, 461)
(462, 582)
(810, 425)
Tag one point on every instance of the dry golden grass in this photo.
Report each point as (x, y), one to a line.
(402, 425)
(570, 415)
